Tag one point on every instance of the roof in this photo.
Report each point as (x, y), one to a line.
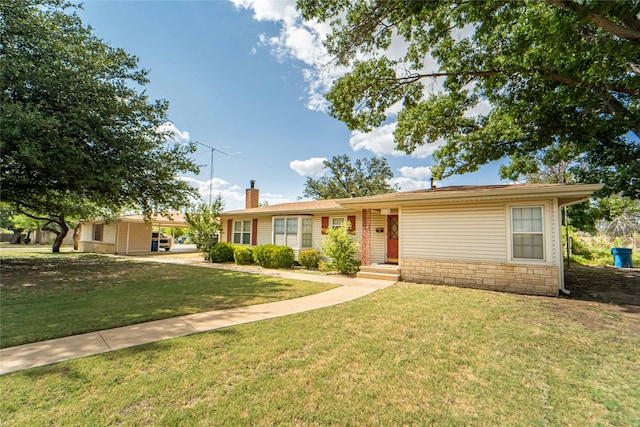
(174, 219)
(566, 194)
(293, 207)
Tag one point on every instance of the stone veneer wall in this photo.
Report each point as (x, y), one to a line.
(97, 247)
(516, 278)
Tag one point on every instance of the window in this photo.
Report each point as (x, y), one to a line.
(97, 232)
(527, 233)
(307, 232)
(242, 232)
(337, 222)
(292, 231)
(278, 226)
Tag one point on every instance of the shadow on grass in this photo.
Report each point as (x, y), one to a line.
(620, 286)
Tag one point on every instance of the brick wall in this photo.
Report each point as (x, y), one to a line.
(516, 278)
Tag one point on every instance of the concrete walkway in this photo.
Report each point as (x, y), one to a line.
(46, 352)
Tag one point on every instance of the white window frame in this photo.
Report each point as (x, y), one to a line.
(334, 225)
(242, 232)
(542, 233)
(299, 229)
(95, 233)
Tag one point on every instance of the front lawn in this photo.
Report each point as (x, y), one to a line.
(407, 355)
(48, 296)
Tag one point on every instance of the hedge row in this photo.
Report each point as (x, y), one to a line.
(268, 256)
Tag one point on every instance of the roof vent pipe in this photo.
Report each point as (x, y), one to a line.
(431, 181)
(353, 194)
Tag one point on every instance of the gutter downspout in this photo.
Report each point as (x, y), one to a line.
(563, 289)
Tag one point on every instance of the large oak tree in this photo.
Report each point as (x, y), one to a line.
(561, 76)
(79, 135)
(363, 177)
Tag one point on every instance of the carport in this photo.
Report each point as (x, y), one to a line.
(128, 234)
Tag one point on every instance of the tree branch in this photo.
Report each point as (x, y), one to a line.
(628, 32)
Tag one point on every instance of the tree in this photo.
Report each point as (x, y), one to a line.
(79, 140)
(365, 177)
(556, 73)
(341, 249)
(204, 225)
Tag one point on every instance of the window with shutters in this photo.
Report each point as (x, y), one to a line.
(242, 232)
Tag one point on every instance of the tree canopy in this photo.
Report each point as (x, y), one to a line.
(559, 75)
(364, 177)
(204, 225)
(79, 136)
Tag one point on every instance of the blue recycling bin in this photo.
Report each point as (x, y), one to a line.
(154, 245)
(622, 257)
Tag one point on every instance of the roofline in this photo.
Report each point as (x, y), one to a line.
(567, 194)
(579, 191)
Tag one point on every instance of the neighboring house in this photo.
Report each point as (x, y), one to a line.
(129, 234)
(497, 237)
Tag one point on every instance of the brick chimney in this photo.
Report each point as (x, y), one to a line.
(252, 196)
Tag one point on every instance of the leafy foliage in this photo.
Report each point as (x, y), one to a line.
(79, 140)
(204, 225)
(560, 74)
(339, 246)
(309, 258)
(364, 177)
(222, 252)
(274, 256)
(243, 255)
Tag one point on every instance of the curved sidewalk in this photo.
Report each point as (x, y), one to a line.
(57, 350)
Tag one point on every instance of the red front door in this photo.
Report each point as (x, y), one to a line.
(392, 238)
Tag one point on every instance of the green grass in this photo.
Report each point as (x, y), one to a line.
(407, 355)
(48, 296)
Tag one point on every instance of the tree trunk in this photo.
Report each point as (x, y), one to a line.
(17, 236)
(76, 237)
(60, 237)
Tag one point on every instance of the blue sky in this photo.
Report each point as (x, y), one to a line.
(247, 77)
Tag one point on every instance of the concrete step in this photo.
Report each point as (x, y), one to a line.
(378, 275)
(381, 268)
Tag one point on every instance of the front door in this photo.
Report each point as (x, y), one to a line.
(392, 238)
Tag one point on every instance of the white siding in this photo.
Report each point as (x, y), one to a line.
(109, 233)
(378, 240)
(264, 230)
(139, 237)
(470, 231)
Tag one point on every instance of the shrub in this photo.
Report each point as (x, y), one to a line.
(272, 256)
(283, 257)
(340, 248)
(262, 254)
(222, 252)
(243, 255)
(309, 258)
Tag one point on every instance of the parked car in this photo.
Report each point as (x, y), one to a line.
(163, 243)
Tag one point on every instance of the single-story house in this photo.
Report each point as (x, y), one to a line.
(497, 237)
(128, 234)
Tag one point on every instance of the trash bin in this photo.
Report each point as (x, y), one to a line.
(154, 245)
(622, 257)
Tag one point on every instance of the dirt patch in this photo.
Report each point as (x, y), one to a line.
(601, 296)
(619, 286)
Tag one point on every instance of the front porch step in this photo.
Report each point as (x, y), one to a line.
(380, 272)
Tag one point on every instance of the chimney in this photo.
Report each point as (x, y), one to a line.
(252, 196)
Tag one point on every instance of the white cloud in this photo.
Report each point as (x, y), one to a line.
(416, 173)
(173, 133)
(275, 199)
(312, 166)
(379, 141)
(409, 184)
(427, 149)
